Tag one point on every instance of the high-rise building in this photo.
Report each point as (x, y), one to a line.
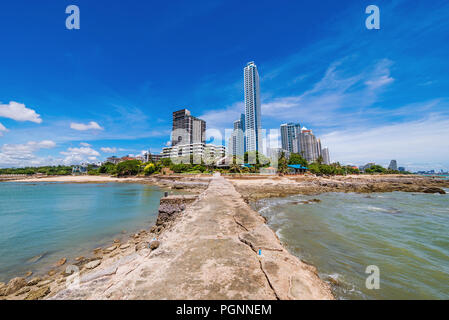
(393, 165)
(326, 156)
(187, 129)
(253, 124)
(309, 145)
(289, 132)
(236, 145)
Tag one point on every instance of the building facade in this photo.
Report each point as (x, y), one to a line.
(326, 156)
(393, 165)
(253, 123)
(236, 144)
(289, 132)
(309, 145)
(187, 129)
(196, 152)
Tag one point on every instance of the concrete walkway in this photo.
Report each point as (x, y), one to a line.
(211, 252)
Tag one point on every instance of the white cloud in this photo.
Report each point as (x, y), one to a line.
(2, 129)
(19, 155)
(84, 127)
(223, 119)
(79, 155)
(412, 143)
(84, 144)
(19, 112)
(108, 150)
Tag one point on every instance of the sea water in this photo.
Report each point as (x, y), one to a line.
(406, 235)
(41, 223)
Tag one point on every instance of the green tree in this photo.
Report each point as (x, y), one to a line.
(129, 168)
(296, 158)
(282, 164)
(149, 169)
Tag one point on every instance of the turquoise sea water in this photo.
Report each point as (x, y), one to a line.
(406, 235)
(42, 222)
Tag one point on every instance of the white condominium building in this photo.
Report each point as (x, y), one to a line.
(253, 124)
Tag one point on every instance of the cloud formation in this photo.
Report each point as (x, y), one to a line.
(19, 112)
(108, 150)
(79, 155)
(23, 154)
(2, 129)
(84, 127)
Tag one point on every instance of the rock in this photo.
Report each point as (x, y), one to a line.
(98, 250)
(23, 291)
(434, 190)
(153, 229)
(28, 274)
(15, 285)
(315, 200)
(154, 244)
(93, 264)
(80, 258)
(110, 249)
(61, 262)
(38, 294)
(51, 273)
(116, 241)
(44, 283)
(136, 236)
(125, 246)
(34, 281)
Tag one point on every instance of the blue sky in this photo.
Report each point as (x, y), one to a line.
(109, 88)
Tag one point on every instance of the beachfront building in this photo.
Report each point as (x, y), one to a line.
(393, 165)
(196, 152)
(289, 132)
(236, 144)
(253, 121)
(326, 156)
(187, 129)
(151, 157)
(310, 147)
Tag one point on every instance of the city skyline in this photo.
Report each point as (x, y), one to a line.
(371, 96)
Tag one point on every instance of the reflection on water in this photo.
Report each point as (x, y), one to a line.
(405, 235)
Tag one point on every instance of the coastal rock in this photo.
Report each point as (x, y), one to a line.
(15, 285)
(80, 258)
(28, 274)
(51, 273)
(34, 281)
(93, 264)
(44, 283)
(154, 244)
(124, 246)
(38, 294)
(61, 262)
(434, 190)
(116, 241)
(110, 249)
(23, 291)
(98, 250)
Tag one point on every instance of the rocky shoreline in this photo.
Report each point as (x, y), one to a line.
(255, 188)
(233, 221)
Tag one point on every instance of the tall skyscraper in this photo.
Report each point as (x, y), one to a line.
(393, 165)
(237, 140)
(289, 132)
(326, 156)
(187, 129)
(253, 124)
(309, 145)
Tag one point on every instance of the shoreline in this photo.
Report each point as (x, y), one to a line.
(248, 188)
